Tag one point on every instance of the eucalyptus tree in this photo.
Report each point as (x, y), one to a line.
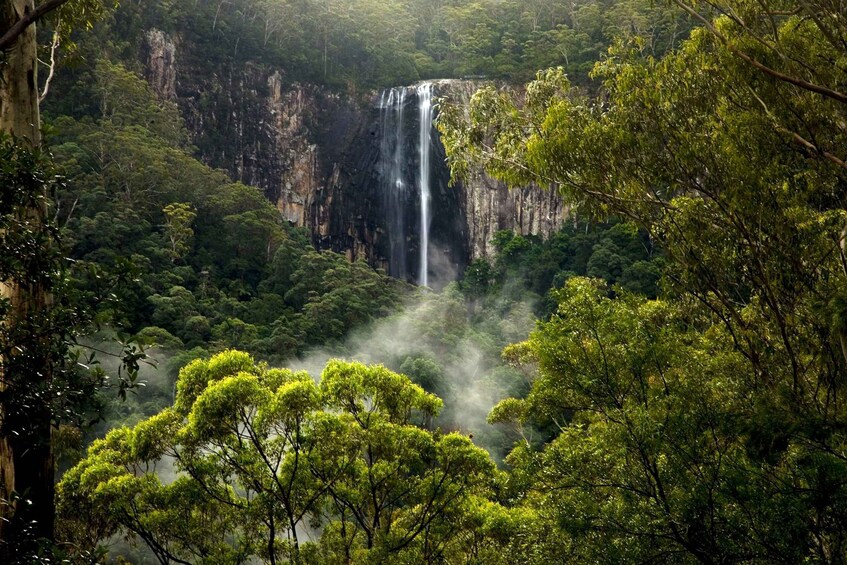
(654, 461)
(26, 464)
(266, 463)
(730, 152)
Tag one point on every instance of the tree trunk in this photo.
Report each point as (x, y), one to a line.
(26, 462)
(19, 87)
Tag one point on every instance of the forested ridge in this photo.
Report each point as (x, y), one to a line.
(369, 43)
(495, 39)
(660, 381)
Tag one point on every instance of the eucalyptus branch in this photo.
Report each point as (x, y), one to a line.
(822, 90)
(796, 137)
(53, 47)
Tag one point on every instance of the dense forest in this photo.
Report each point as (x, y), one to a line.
(354, 44)
(185, 378)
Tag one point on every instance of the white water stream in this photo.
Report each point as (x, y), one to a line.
(424, 149)
(392, 160)
(393, 167)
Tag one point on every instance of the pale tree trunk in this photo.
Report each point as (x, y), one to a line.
(26, 462)
(19, 87)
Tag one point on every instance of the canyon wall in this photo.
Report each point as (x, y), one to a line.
(316, 155)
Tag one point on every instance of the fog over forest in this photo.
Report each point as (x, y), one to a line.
(423, 281)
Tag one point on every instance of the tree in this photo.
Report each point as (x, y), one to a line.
(756, 33)
(26, 465)
(715, 162)
(633, 446)
(261, 454)
(26, 354)
(178, 219)
(665, 452)
(24, 472)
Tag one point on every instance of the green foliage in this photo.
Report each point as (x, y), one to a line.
(357, 44)
(259, 454)
(48, 382)
(704, 426)
(529, 268)
(43, 340)
(425, 372)
(124, 101)
(701, 428)
(654, 406)
(324, 296)
(178, 218)
(213, 265)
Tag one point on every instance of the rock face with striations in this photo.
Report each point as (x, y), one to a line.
(317, 155)
(159, 55)
(490, 206)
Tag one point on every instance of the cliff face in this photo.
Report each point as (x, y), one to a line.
(490, 206)
(317, 155)
(159, 54)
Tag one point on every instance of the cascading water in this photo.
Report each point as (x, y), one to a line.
(392, 159)
(398, 180)
(424, 150)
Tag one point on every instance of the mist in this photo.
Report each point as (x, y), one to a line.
(444, 344)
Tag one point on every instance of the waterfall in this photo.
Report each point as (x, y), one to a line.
(424, 148)
(392, 160)
(398, 179)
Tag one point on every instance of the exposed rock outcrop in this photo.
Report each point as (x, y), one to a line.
(159, 56)
(316, 154)
(490, 207)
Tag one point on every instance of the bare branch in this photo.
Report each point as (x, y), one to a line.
(53, 47)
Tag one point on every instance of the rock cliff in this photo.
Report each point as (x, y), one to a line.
(316, 154)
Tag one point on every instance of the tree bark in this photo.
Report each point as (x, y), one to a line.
(26, 462)
(19, 87)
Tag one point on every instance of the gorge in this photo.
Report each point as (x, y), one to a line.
(248, 317)
(348, 167)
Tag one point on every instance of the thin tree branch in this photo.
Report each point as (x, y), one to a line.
(822, 90)
(53, 47)
(796, 137)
